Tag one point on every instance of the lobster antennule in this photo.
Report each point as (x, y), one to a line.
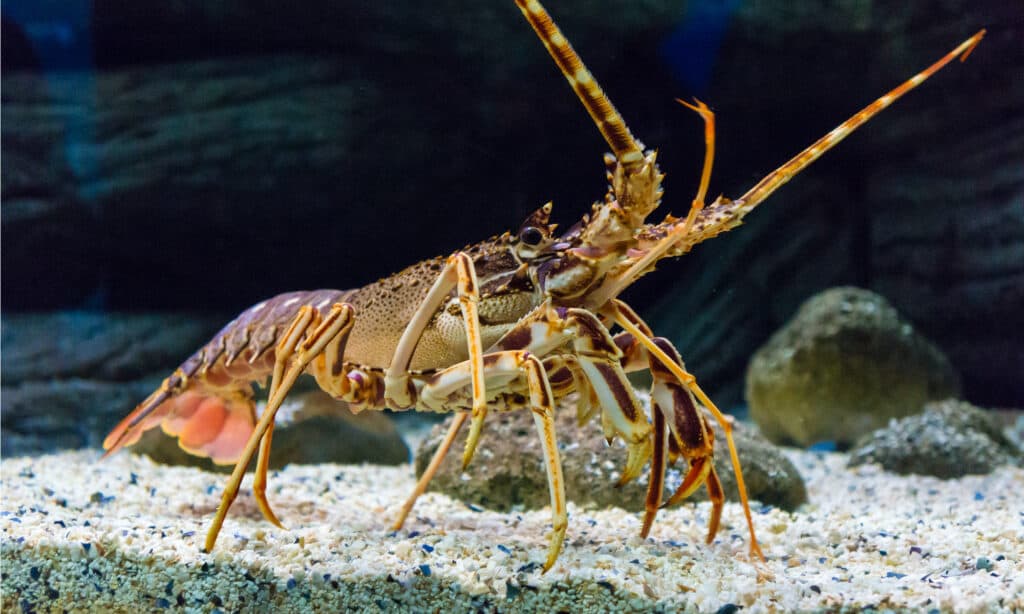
(607, 119)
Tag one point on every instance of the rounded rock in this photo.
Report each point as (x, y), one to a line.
(845, 364)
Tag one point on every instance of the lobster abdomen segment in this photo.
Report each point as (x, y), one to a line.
(207, 403)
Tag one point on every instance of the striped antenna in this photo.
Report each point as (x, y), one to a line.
(784, 173)
(602, 111)
(676, 237)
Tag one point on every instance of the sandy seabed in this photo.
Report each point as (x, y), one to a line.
(125, 535)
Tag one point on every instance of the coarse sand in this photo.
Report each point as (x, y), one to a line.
(125, 535)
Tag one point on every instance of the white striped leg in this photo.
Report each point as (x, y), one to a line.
(508, 367)
(544, 417)
(460, 275)
(600, 361)
(597, 369)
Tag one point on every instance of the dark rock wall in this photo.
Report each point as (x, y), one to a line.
(204, 155)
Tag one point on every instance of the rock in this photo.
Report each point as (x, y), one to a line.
(311, 428)
(69, 377)
(949, 439)
(49, 415)
(844, 365)
(100, 346)
(508, 469)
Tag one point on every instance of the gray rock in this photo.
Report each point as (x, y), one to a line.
(99, 346)
(508, 470)
(49, 415)
(948, 439)
(844, 365)
(69, 377)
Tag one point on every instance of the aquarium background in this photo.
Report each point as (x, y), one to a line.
(165, 165)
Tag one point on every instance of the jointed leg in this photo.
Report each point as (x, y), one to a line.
(691, 430)
(507, 366)
(600, 361)
(303, 320)
(458, 274)
(338, 322)
(435, 464)
(544, 417)
(259, 483)
(656, 483)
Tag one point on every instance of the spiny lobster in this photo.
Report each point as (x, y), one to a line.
(518, 321)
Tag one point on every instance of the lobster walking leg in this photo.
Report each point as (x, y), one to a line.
(687, 424)
(303, 320)
(337, 323)
(656, 483)
(460, 275)
(543, 409)
(428, 474)
(510, 366)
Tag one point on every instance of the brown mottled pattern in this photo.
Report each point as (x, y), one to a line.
(384, 308)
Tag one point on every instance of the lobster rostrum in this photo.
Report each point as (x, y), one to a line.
(519, 321)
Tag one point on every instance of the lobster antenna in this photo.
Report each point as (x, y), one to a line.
(676, 236)
(607, 119)
(784, 173)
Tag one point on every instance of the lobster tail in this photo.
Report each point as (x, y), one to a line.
(205, 424)
(207, 403)
(208, 423)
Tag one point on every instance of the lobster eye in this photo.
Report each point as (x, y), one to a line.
(531, 235)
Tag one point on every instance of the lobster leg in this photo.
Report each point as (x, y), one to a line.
(303, 320)
(622, 414)
(596, 365)
(435, 464)
(337, 323)
(656, 483)
(509, 366)
(460, 275)
(544, 417)
(676, 388)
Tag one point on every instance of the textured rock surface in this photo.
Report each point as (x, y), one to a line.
(844, 365)
(222, 147)
(948, 439)
(100, 346)
(508, 468)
